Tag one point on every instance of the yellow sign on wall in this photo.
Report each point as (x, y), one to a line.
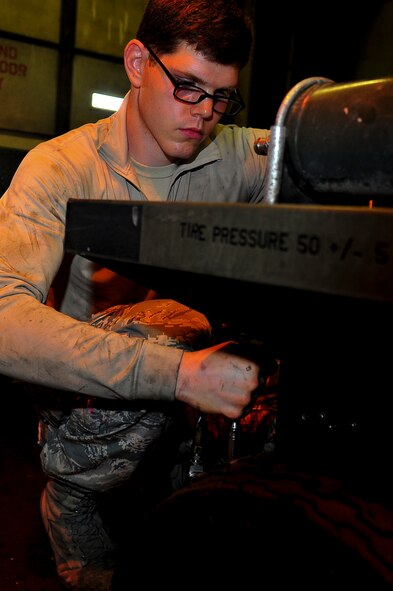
(28, 78)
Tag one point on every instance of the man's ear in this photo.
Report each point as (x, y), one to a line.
(134, 59)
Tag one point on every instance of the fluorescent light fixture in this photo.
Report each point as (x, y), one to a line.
(105, 101)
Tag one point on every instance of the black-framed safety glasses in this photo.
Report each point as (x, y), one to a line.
(192, 95)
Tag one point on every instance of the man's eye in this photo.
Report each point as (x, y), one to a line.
(185, 83)
(226, 94)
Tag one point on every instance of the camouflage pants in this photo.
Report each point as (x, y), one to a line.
(93, 445)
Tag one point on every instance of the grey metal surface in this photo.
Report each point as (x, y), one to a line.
(341, 250)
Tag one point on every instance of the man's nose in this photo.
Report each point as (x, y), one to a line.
(204, 108)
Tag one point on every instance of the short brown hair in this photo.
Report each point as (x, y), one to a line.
(219, 29)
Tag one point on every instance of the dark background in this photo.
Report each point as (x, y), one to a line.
(297, 40)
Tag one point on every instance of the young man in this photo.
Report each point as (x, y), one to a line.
(165, 143)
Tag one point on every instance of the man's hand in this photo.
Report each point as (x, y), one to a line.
(217, 380)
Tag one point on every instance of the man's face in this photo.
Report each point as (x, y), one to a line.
(170, 130)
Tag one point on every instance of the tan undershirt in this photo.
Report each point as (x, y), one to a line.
(155, 181)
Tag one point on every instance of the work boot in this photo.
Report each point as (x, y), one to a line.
(83, 550)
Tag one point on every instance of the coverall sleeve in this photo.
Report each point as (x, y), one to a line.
(41, 345)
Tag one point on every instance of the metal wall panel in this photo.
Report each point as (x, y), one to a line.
(33, 18)
(28, 79)
(94, 75)
(106, 27)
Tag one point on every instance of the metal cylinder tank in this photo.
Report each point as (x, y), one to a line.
(339, 143)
